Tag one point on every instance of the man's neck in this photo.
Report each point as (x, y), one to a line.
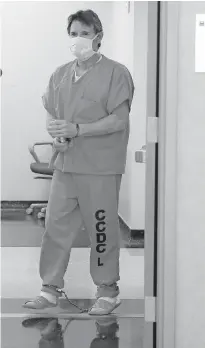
(84, 65)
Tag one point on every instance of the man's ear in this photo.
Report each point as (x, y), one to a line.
(100, 36)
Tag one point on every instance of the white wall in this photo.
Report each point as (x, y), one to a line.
(138, 117)
(123, 51)
(34, 43)
(130, 33)
(190, 309)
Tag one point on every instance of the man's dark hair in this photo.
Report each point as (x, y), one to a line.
(87, 17)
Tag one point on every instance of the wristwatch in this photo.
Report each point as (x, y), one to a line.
(77, 134)
(78, 130)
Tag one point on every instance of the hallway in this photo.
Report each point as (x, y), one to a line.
(21, 238)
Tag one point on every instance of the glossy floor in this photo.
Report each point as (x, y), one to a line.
(65, 327)
(71, 333)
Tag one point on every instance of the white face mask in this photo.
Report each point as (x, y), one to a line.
(82, 47)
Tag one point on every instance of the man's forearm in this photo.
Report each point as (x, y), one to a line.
(107, 125)
(49, 118)
(115, 122)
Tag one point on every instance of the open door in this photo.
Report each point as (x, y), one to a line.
(149, 155)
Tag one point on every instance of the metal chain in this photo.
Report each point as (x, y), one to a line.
(82, 310)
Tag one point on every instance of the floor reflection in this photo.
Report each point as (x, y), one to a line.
(52, 332)
(71, 333)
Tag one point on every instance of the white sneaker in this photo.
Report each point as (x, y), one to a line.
(104, 305)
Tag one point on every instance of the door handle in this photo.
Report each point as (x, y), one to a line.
(1, 72)
(140, 155)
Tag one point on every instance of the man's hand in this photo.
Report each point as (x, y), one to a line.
(60, 147)
(61, 128)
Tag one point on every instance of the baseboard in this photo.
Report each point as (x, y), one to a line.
(134, 233)
(136, 237)
(17, 205)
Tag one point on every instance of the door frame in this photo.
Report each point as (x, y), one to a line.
(151, 195)
(161, 177)
(167, 175)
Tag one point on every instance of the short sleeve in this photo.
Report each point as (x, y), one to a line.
(121, 88)
(48, 98)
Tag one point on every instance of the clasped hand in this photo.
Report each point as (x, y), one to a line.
(60, 147)
(61, 128)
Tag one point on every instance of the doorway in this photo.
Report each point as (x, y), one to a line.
(139, 307)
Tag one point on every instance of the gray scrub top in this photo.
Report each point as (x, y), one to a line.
(94, 96)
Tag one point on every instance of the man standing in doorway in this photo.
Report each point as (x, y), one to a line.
(88, 102)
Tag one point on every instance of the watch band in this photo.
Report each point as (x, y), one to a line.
(78, 130)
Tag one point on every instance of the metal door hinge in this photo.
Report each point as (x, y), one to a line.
(152, 129)
(150, 309)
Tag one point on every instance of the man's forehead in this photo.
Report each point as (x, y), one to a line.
(77, 25)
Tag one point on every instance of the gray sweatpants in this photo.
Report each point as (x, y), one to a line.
(76, 200)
